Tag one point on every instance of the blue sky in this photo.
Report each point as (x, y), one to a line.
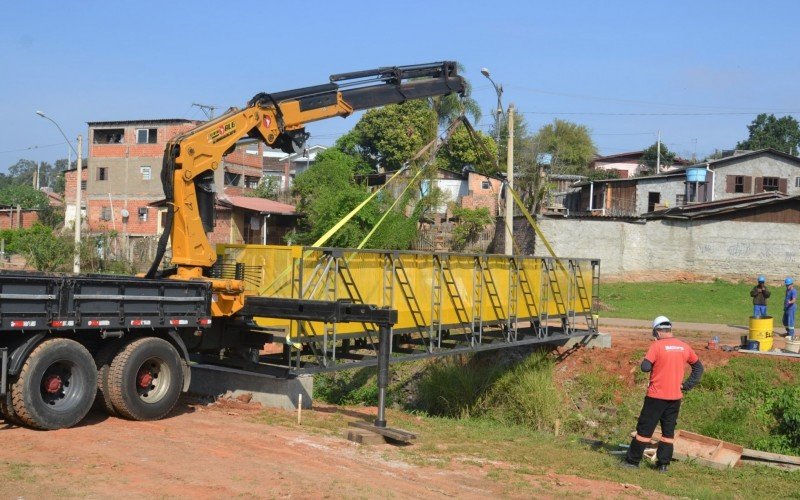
(697, 71)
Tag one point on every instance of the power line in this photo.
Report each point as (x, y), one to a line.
(32, 148)
(632, 101)
(592, 113)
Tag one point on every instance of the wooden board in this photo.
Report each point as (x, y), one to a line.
(362, 436)
(770, 457)
(771, 353)
(705, 450)
(389, 432)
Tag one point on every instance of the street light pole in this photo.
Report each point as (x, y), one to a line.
(76, 266)
(498, 112)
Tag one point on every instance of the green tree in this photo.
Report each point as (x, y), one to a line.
(451, 106)
(42, 249)
(327, 192)
(23, 195)
(461, 150)
(650, 158)
(569, 144)
(470, 224)
(767, 131)
(268, 188)
(389, 136)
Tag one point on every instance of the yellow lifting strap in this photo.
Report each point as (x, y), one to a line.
(448, 133)
(533, 224)
(388, 211)
(344, 220)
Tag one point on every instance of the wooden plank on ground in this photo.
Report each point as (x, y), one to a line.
(771, 353)
(362, 436)
(705, 450)
(770, 457)
(389, 432)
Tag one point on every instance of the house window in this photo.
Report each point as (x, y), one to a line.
(797, 182)
(250, 182)
(143, 214)
(770, 183)
(680, 199)
(146, 172)
(738, 184)
(83, 185)
(232, 179)
(653, 199)
(105, 213)
(146, 135)
(102, 173)
(109, 136)
(486, 185)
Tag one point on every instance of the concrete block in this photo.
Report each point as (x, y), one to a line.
(219, 381)
(599, 341)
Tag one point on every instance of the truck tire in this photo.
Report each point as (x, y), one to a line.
(145, 379)
(103, 360)
(7, 413)
(56, 386)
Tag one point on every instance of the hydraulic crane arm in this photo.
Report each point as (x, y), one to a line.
(278, 119)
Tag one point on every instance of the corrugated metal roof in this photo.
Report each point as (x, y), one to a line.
(701, 210)
(261, 205)
(160, 121)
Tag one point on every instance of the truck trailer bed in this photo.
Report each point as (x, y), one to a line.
(39, 301)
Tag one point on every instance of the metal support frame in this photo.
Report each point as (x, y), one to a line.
(3, 370)
(457, 323)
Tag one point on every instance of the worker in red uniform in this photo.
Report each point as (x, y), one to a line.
(665, 360)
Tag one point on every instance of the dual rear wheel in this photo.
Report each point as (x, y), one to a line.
(139, 380)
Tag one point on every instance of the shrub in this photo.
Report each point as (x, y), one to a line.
(526, 395)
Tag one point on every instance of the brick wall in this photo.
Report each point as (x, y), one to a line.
(69, 185)
(222, 229)
(11, 219)
(479, 196)
(239, 156)
(117, 150)
(135, 226)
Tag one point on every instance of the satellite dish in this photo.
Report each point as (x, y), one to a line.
(124, 213)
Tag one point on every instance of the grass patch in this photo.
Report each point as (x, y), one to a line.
(717, 302)
(17, 472)
(525, 395)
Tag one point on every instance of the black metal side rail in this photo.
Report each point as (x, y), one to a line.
(37, 302)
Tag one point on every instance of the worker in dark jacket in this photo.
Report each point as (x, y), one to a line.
(665, 360)
(760, 294)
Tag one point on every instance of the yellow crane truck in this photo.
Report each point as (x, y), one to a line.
(68, 340)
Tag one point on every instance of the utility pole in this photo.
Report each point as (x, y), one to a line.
(36, 179)
(509, 240)
(658, 154)
(76, 267)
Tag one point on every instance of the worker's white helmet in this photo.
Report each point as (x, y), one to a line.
(662, 323)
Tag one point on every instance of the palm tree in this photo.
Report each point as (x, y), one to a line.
(451, 106)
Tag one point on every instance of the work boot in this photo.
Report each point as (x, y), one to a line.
(662, 469)
(627, 465)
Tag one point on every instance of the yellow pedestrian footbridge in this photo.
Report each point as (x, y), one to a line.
(447, 303)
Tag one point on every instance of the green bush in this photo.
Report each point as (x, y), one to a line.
(450, 388)
(43, 250)
(526, 395)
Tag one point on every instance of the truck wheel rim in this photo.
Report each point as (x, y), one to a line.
(153, 380)
(62, 385)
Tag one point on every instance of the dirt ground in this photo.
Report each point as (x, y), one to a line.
(219, 450)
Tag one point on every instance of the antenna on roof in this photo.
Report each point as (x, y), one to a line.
(208, 109)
